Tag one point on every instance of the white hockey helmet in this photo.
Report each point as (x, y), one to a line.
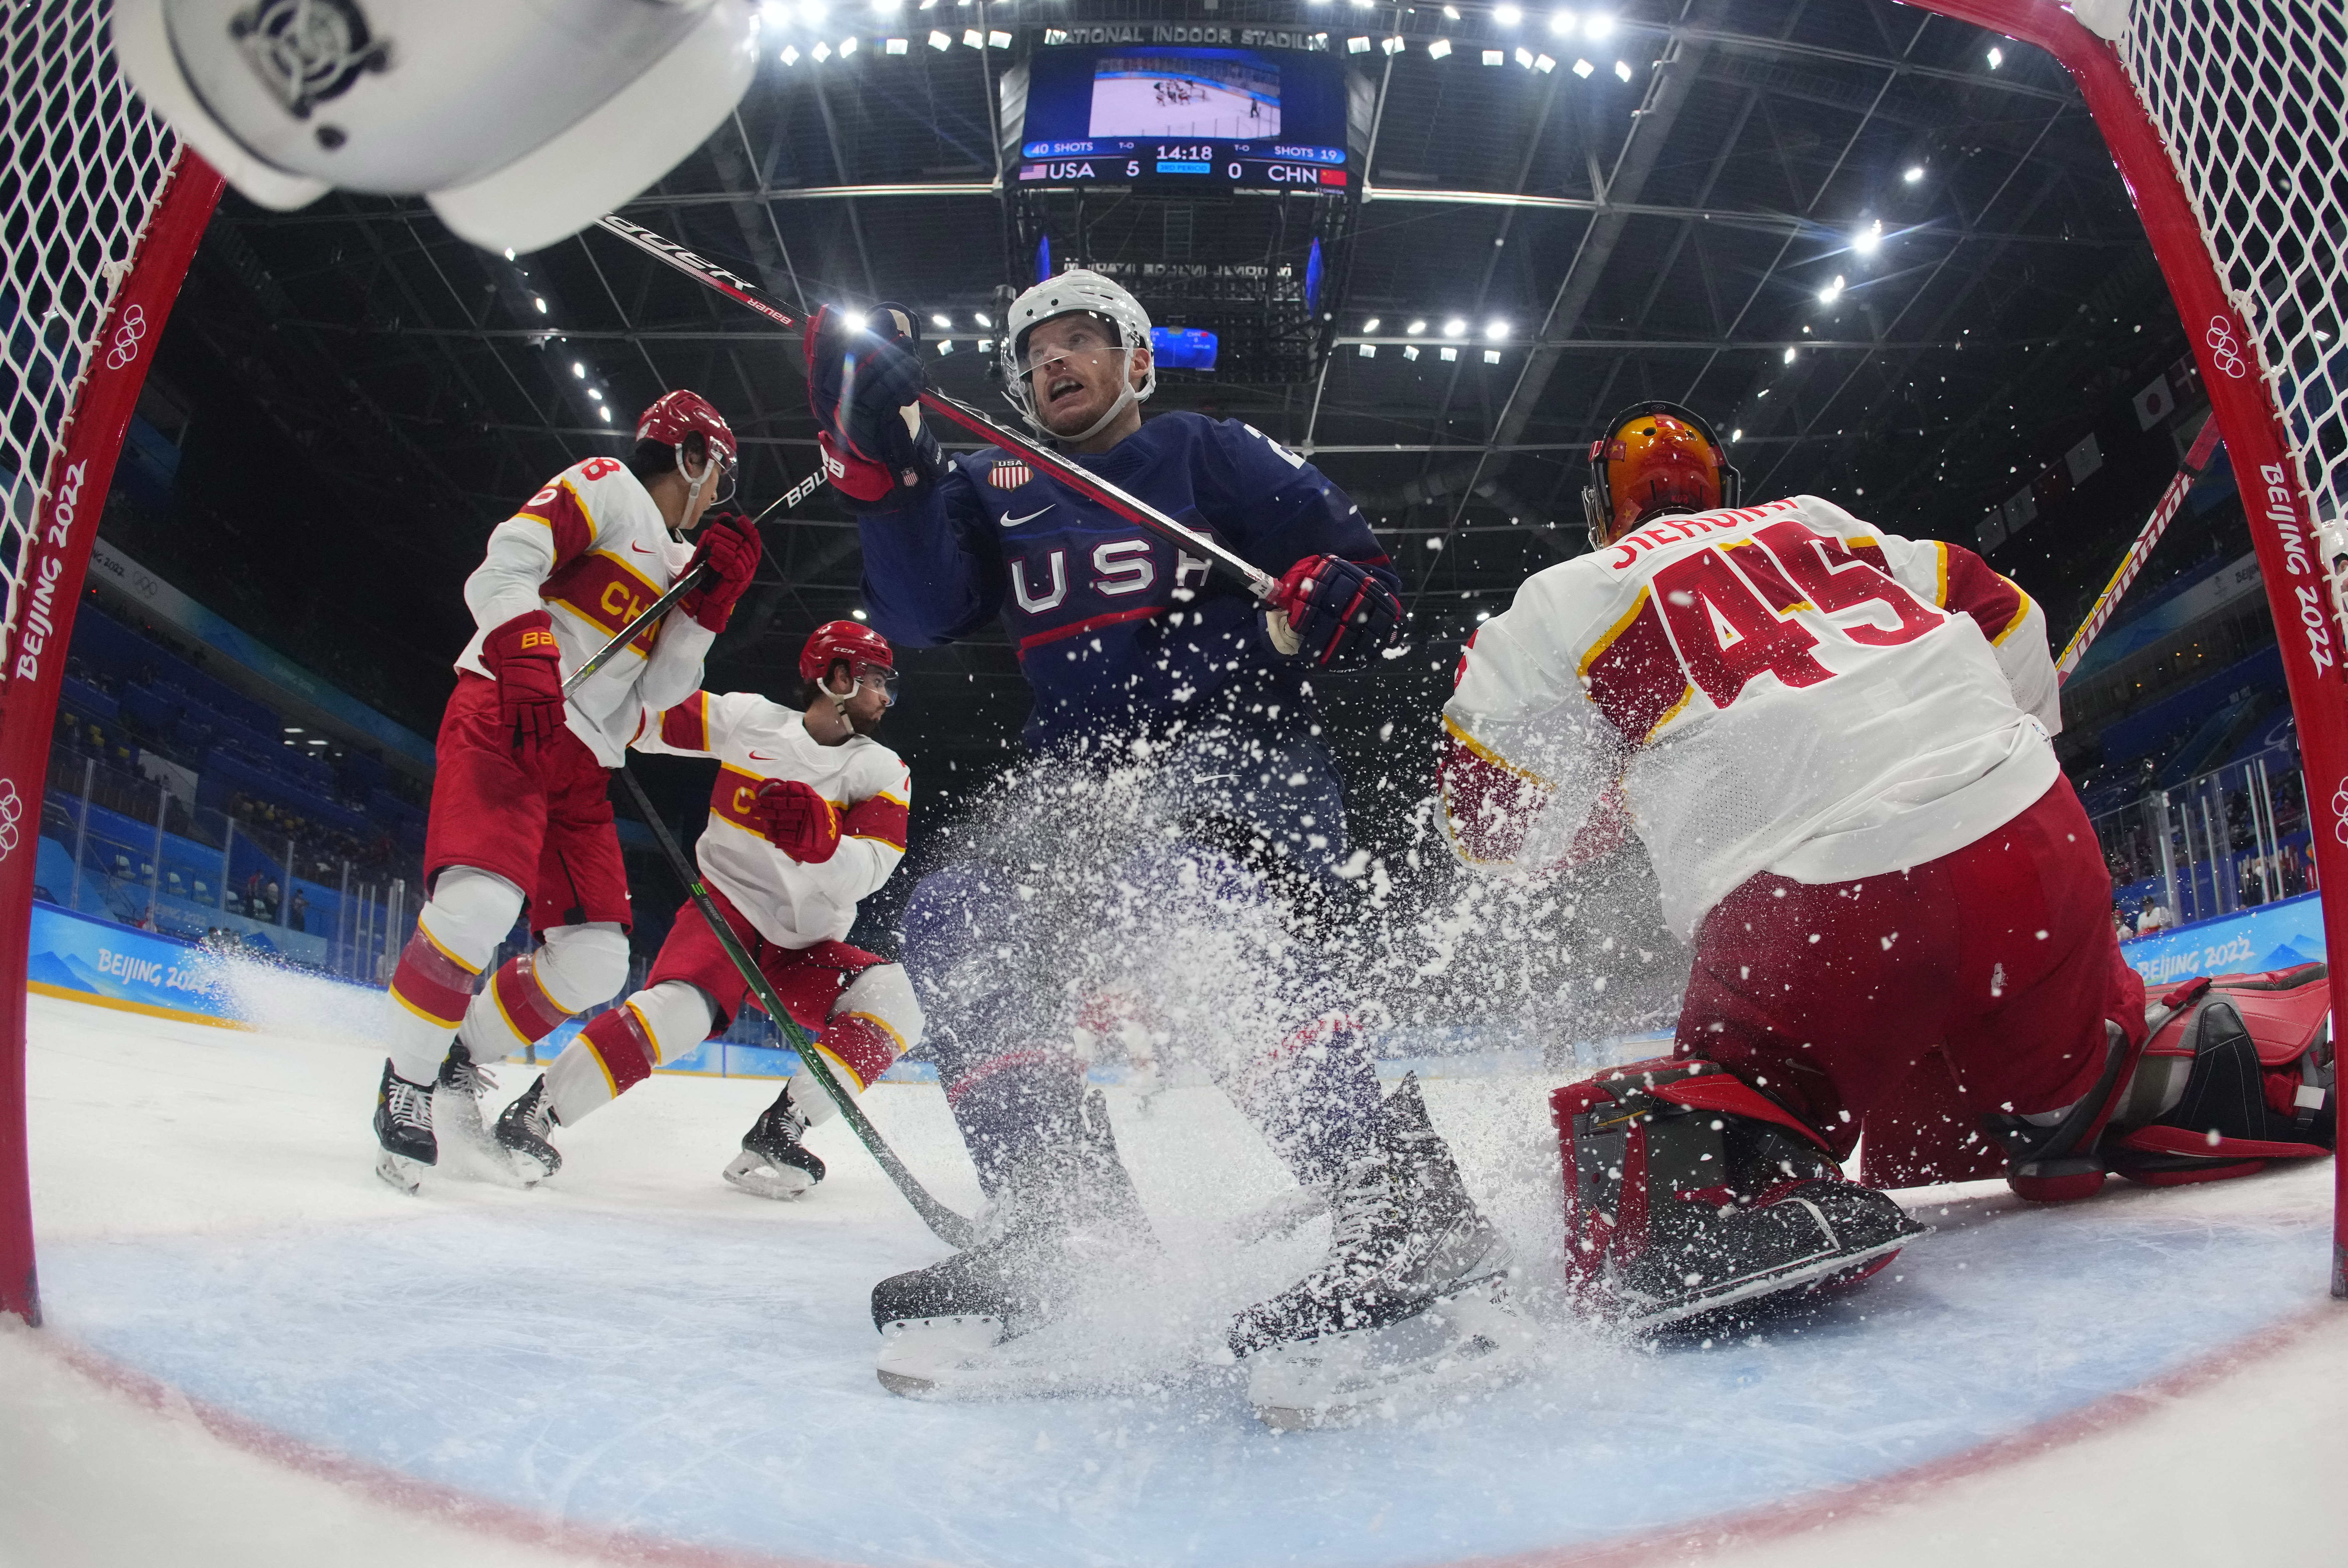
(522, 120)
(1077, 290)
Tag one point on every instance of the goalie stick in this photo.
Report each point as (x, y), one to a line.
(2164, 512)
(947, 1225)
(955, 412)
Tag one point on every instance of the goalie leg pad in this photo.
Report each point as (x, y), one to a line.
(2239, 1076)
(1689, 1192)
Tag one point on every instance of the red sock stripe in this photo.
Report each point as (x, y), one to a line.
(521, 997)
(618, 1041)
(430, 983)
(861, 1044)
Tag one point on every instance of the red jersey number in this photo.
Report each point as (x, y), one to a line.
(1728, 610)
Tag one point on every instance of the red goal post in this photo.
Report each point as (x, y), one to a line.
(2203, 104)
(100, 212)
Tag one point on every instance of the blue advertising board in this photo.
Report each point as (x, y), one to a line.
(2266, 937)
(123, 967)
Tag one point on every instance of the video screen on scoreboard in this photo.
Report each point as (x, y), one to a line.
(1127, 114)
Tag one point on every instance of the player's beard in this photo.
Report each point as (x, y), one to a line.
(866, 727)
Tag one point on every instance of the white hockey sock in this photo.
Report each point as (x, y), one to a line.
(459, 928)
(619, 1048)
(575, 968)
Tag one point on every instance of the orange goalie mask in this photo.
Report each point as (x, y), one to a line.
(1656, 459)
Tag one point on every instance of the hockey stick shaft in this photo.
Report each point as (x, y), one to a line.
(631, 630)
(948, 1227)
(2165, 512)
(957, 412)
(660, 607)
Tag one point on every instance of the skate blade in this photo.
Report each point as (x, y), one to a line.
(1732, 1293)
(1469, 1344)
(917, 1357)
(766, 1179)
(456, 1120)
(399, 1171)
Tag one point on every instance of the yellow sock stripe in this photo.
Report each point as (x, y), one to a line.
(442, 948)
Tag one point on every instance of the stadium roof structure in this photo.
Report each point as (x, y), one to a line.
(1886, 251)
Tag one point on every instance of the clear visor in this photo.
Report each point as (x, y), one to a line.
(879, 677)
(1089, 338)
(724, 480)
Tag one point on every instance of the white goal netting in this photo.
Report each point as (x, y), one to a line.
(2249, 95)
(80, 168)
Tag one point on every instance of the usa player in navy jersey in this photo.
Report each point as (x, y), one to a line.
(1146, 667)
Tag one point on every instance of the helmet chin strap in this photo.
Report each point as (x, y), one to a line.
(692, 486)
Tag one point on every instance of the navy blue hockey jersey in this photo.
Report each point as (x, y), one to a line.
(1118, 630)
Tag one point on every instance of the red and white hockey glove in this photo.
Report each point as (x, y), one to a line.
(729, 543)
(1339, 614)
(527, 663)
(797, 820)
(866, 483)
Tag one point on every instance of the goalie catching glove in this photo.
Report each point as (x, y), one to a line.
(729, 546)
(1333, 612)
(527, 664)
(864, 387)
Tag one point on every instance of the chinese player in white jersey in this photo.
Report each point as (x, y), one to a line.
(806, 818)
(1833, 745)
(520, 814)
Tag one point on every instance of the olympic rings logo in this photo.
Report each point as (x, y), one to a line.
(11, 809)
(126, 338)
(2339, 812)
(2224, 351)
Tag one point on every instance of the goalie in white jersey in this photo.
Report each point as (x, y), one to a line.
(806, 818)
(1833, 745)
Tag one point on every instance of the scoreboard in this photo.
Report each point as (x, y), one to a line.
(1142, 115)
(1130, 160)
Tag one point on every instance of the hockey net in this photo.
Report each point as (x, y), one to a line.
(2222, 116)
(97, 222)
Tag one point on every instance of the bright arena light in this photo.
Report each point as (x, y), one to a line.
(1828, 296)
(1790, 356)
(1598, 26)
(1869, 240)
(1496, 331)
(1439, 49)
(1415, 328)
(1371, 325)
(1455, 327)
(853, 321)
(1583, 68)
(1622, 71)
(1915, 172)
(1996, 59)
(944, 323)
(1563, 21)
(1507, 16)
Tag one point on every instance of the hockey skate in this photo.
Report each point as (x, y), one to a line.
(403, 1130)
(1695, 1203)
(458, 1124)
(525, 1134)
(1411, 1304)
(1063, 1215)
(774, 1163)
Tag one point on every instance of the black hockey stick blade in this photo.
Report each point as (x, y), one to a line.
(947, 1225)
(955, 412)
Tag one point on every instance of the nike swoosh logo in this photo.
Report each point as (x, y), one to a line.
(1008, 521)
(761, 757)
(640, 549)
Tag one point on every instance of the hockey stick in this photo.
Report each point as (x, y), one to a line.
(2164, 512)
(955, 412)
(947, 1225)
(628, 633)
(660, 607)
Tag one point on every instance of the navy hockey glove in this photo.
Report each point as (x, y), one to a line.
(1340, 615)
(864, 387)
(729, 543)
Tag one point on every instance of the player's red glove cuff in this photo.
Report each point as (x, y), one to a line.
(729, 544)
(797, 820)
(526, 662)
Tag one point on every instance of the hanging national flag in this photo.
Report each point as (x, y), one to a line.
(1009, 476)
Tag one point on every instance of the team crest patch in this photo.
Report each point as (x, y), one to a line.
(1009, 476)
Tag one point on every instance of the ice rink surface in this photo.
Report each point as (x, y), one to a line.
(257, 1352)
